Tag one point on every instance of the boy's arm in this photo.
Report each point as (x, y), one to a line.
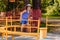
(21, 14)
(30, 16)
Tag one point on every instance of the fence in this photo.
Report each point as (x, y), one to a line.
(4, 30)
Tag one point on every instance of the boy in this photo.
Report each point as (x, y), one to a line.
(24, 16)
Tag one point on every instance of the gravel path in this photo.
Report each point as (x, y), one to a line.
(53, 36)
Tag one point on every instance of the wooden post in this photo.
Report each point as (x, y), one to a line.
(6, 29)
(46, 21)
(11, 22)
(38, 25)
(12, 37)
(43, 33)
(28, 26)
(38, 29)
(22, 28)
(2, 36)
(37, 37)
(11, 28)
(14, 29)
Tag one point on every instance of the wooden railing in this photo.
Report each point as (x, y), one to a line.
(29, 27)
(52, 21)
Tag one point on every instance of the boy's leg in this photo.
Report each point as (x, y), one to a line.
(22, 27)
(28, 27)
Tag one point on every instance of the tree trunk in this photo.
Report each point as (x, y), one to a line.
(36, 13)
(36, 4)
(26, 2)
(36, 9)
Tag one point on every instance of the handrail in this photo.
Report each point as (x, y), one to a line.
(11, 20)
(52, 20)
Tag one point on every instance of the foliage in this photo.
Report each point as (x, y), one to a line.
(51, 7)
(15, 5)
(48, 7)
(2, 6)
(43, 24)
(21, 4)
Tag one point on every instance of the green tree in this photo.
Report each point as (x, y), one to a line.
(2, 6)
(51, 7)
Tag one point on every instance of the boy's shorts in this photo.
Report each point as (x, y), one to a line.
(24, 22)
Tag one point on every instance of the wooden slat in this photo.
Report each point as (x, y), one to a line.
(53, 24)
(19, 33)
(15, 26)
(15, 20)
(53, 17)
(2, 19)
(2, 25)
(20, 26)
(5, 30)
(33, 20)
(54, 20)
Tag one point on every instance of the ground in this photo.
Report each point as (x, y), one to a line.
(50, 36)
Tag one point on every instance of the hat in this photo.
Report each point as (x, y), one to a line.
(28, 5)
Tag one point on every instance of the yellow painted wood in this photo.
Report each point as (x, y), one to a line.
(37, 38)
(20, 33)
(6, 28)
(28, 25)
(46, 21)
(6, 36)
(12, 37)
(10, 28)
(54, 20)
(54, 25)
(15, 29)
(38, 26)
(2, 36)
(22, 28)
(11, 20)
(43, 32)
(3, 19)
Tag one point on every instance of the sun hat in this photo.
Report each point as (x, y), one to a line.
(28, 5)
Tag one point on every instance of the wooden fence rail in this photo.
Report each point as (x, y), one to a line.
(4, 30)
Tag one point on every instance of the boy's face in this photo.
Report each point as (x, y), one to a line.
(29, 8)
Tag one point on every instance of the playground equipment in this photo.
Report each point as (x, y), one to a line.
(4, 29)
